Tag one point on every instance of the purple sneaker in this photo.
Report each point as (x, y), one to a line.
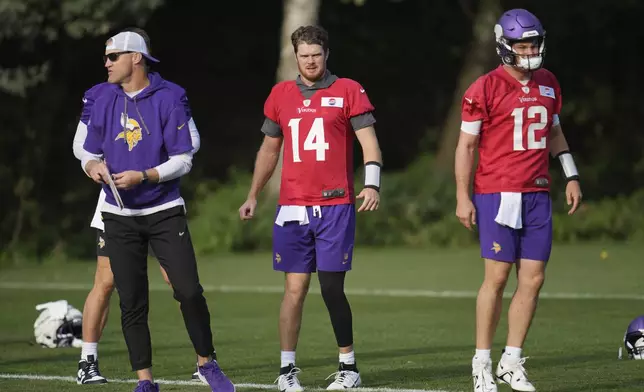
(211, 374)
(147, 386)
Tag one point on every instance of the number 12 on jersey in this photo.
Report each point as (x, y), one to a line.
(314, 139)
(533, 144)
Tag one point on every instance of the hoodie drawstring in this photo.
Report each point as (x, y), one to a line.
(141, 117)
(124, 119)
(137, 112)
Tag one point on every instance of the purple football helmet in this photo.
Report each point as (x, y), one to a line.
(520, 25)
(634, 338)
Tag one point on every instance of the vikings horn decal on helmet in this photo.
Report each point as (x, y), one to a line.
(58, 325)
(634, 338)
(520, 25)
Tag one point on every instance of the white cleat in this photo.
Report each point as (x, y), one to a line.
(515, 375)
(482, 376)
(289, 382)
(344, 379)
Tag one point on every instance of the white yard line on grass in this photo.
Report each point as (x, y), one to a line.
(39, 377)
(349, 291)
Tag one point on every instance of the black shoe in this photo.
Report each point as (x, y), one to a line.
(88, 372)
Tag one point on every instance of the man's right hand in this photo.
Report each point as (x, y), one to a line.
(466, 213)
(97, 172)
(247, 210)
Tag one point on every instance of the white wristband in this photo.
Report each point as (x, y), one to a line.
(568, 165)
(372, 175)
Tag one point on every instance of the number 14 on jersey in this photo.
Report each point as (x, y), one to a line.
(314, 140)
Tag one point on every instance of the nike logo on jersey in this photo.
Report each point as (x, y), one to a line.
(84, 100)
(362, 91)
(469, 100)
(181, 126)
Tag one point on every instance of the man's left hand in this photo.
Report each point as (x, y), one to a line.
(371, 199)
(573, 195)
(127, 179)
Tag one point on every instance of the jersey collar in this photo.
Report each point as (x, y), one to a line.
(505, 75)
(327, 80)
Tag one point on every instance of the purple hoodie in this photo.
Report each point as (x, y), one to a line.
(137, 134)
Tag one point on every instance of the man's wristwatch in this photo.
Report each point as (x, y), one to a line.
(145, 177)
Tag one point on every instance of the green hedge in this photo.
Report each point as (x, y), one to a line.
(417, 210)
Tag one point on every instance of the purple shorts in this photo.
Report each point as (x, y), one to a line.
(324, 244)
(502, 243)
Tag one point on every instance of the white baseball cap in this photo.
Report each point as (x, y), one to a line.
(130, 41)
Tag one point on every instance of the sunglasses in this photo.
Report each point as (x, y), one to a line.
(113, 57)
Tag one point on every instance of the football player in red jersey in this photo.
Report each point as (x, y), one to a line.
(316, 116)
(511, 115)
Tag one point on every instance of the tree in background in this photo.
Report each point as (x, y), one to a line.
(296, 13)
(480, 58)
(39, 40)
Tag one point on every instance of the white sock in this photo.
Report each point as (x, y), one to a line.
(348, 358)
(89, 349)
(482, 355)
(512, 353)
(287, 358)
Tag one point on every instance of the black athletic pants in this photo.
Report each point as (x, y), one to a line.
(167, 234)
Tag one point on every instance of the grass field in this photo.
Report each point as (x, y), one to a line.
(413, 320)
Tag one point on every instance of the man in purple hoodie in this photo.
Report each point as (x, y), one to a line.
(96, 308)
(139, 145)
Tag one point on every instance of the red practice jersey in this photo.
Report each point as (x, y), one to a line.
(317, 166)
(514, 122)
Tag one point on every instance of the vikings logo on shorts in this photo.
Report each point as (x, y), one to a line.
(131, 132)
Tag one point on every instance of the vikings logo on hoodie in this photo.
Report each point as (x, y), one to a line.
(131, 131)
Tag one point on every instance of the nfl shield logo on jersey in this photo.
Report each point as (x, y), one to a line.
(526, 90)
(306, 102)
